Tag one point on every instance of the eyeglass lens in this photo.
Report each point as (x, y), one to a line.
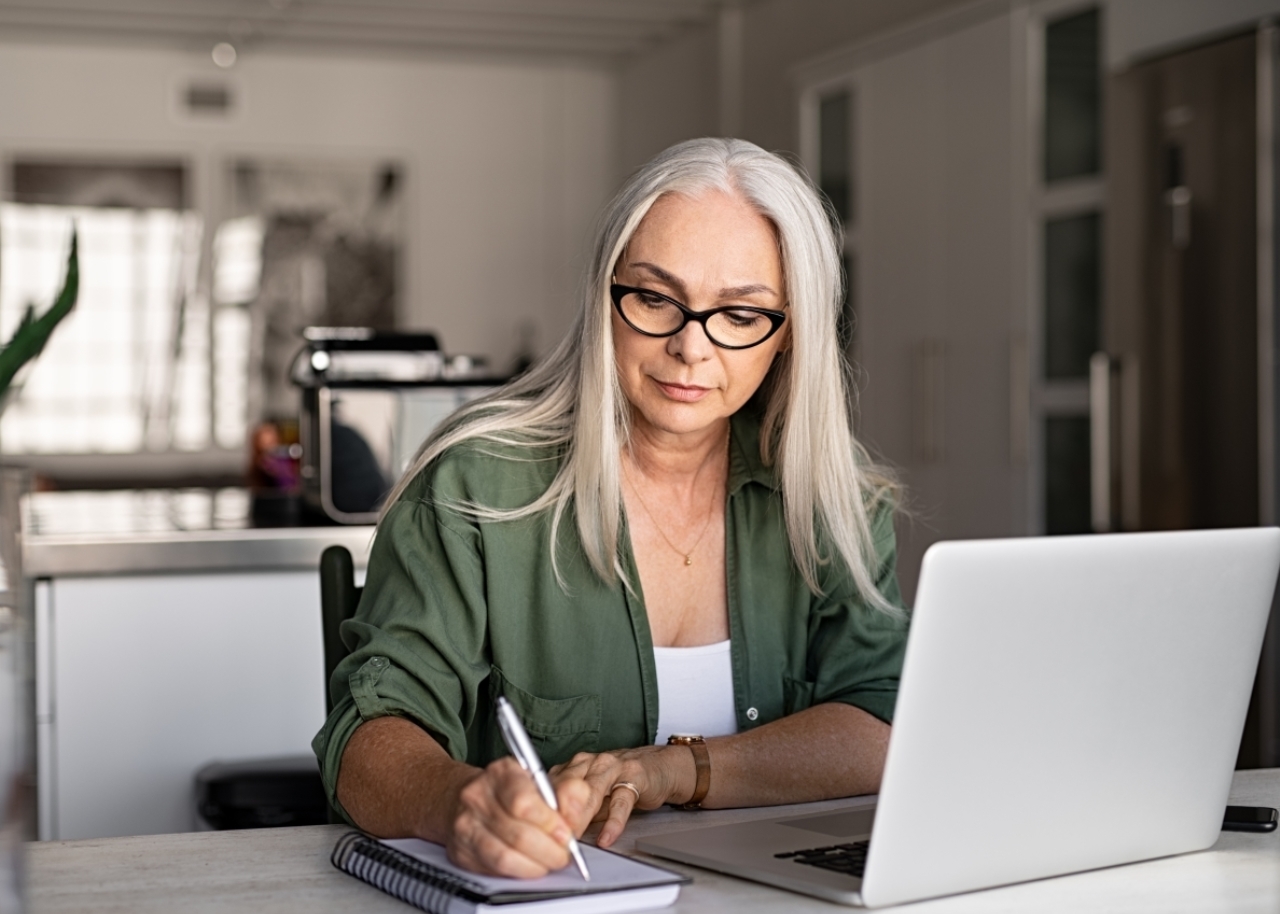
(650, 313)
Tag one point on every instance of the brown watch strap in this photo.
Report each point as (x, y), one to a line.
(702, 766)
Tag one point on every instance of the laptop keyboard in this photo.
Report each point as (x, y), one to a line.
(850, 859)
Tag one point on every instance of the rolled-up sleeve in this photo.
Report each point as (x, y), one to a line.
(418, 639)
(856, 650)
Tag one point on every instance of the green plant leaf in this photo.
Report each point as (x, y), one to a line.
(33, 332)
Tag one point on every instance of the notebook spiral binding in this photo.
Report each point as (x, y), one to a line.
(400, 875)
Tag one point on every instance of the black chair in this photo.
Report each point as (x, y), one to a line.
(339, 597)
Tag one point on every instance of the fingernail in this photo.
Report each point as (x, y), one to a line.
(562, 834)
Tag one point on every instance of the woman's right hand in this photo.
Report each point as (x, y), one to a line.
(396, 781)
(501, 825)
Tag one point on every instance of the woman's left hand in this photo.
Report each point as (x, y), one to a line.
(654, 775)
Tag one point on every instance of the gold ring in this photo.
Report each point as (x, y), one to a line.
(627, 784)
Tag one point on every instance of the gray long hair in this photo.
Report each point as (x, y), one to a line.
(571, 399)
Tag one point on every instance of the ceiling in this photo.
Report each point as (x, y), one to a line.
(593, 28)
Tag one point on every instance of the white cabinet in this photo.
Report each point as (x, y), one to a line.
(142, 679)
(939, 294)
(937, 269)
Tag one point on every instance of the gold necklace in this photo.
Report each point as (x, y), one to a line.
(688, 556)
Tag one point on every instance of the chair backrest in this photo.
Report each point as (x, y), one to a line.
(339, 597)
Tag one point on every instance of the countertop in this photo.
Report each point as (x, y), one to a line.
(143, 531)
(287, 871)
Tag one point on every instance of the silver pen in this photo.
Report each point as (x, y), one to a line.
(517, 740)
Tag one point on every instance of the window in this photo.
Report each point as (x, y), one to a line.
(1072, 294)
(1070, 214)
(835, 159)
(185, 325)
(1072, 97)
(834, 172)
(128, 370)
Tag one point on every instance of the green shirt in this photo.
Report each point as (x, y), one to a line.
(456, 612)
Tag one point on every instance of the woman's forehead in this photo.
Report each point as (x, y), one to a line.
(710, 204)
(712, 232)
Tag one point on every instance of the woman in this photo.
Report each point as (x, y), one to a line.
(666, 526)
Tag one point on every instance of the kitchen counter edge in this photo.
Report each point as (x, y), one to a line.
(250, 549)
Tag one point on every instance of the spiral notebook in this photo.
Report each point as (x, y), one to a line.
(419, 872)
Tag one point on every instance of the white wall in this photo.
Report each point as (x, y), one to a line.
(782, 33)
(507, 162)
(668, 94)
(671, 92)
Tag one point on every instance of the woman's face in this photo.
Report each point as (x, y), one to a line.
(705, 252)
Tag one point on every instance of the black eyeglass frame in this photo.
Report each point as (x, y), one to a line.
(776, 318)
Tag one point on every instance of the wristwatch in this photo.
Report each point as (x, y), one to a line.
(702, 765)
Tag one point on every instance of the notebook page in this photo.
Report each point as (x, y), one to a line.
(609, 872)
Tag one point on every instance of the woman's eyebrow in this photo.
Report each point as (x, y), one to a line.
(742, 291)
(729, 292)
(659, 274)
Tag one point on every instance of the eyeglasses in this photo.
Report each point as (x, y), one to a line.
(730, 327)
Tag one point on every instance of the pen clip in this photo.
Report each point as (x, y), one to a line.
(513, 734)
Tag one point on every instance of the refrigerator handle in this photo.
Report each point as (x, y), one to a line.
(1102, 482)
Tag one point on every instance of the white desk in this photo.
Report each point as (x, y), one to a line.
(288, 870)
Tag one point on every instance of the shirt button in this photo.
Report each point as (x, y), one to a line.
(752, 713)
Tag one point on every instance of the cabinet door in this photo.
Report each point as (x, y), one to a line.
(154, 676)
(934, 293)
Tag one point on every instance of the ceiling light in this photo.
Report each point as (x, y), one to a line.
(224, 55)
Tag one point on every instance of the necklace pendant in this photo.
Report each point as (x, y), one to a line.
(688, 559)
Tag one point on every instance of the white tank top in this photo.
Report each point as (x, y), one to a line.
(695, 691)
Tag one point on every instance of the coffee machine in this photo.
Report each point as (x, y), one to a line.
(369, 400)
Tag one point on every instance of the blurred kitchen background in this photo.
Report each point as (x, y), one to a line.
(1059, 243)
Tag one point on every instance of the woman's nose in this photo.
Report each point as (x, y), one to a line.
(691, 344)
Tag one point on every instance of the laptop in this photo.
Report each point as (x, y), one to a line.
(1066, 703)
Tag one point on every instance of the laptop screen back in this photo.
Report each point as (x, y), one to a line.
(1068, 703)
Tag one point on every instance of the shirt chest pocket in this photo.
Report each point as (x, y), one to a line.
(558, 727)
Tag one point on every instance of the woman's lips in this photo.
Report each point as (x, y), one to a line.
(683, 392)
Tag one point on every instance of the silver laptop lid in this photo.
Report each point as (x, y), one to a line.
(1068, 703)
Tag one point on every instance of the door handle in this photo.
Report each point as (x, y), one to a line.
(1179, 202)
(1101, 424)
